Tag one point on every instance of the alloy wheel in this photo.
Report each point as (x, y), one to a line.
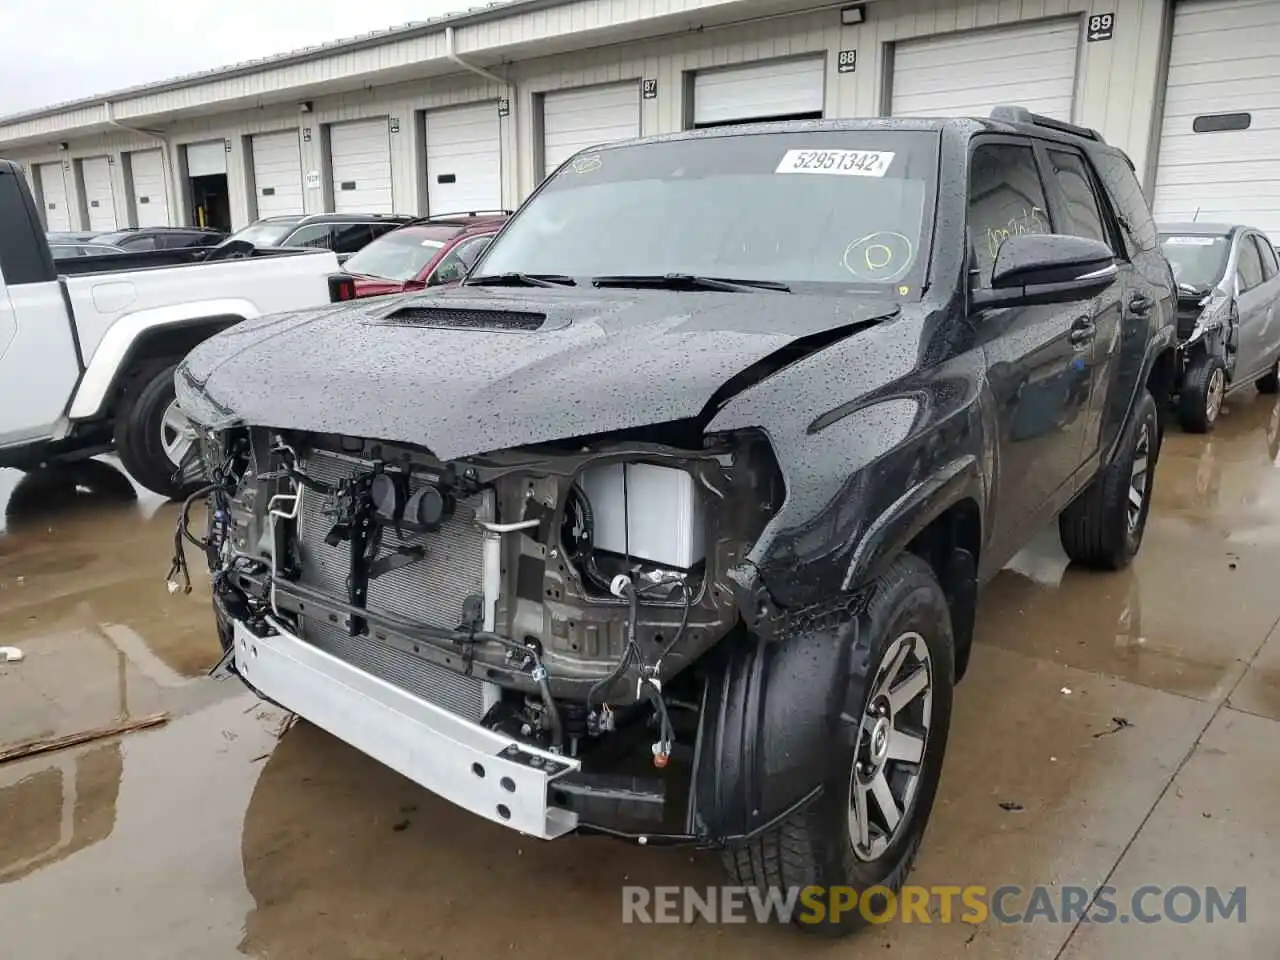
(177, 434)
(1139, 476)
(1213, 394)
(892, 739)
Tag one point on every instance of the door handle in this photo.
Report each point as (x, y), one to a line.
(1140, 304)
(1082, 332)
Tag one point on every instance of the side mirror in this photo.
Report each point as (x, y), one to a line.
(1034, 269)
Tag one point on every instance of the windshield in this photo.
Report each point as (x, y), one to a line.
(266, 233)
(1198, 261)
(399, 255)
(835, 207)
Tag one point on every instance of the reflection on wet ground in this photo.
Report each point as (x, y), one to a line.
(210, 838)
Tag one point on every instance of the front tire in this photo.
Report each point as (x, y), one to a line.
(1103, 526)
(865, 828)
(1200, 400)
(152, 437)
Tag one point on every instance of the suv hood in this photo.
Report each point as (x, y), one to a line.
(463, 371)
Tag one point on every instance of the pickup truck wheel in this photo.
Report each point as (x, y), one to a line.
(886, 753)
(153, 435)
(1200, 399)
(1103, 526)
(1269, 382)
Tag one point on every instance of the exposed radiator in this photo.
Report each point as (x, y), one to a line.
(459, 694)
(432, 591)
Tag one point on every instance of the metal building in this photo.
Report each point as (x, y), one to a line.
(471, 111)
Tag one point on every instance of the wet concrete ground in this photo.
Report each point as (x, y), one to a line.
(1119, 729)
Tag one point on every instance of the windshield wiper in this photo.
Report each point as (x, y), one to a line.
(522, 280)
(688, 281)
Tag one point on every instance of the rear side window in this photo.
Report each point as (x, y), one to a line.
(1249, 265)
(1126, 199)
(312, 235)
(135, 244)
(351, 237)
(1268, 255)
(1006, 198)
(1083, 216)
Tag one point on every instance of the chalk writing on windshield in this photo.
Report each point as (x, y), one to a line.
(880, 257)
(1028, 222)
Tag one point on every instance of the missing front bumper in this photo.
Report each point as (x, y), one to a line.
(490, 775)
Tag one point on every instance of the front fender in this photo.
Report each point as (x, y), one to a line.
(864, 435)
(117, 344)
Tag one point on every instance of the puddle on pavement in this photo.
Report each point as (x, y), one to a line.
(1199, 599)
(83, 595)
(136, 838)
(1226, 484)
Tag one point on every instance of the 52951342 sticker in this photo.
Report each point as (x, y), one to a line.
(840, 163)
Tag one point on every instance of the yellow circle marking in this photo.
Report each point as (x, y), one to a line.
(885, 259)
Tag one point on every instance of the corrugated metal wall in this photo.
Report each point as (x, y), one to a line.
(1118, 80)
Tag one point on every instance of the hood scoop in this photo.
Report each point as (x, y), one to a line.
(464, 318)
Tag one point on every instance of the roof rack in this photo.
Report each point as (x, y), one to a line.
(461, 213)
(1014, 114)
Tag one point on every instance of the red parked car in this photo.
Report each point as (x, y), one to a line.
(423, 253)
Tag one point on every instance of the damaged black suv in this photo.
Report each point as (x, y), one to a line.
(668, 523)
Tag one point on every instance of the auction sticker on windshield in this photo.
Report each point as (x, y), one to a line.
(1191, 241)
(847, 163)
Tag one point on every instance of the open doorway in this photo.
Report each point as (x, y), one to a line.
(211, 202)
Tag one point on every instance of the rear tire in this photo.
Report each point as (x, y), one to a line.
(1103, 526)
(825, 844)
(1269, 382)
(149, 435)
(1200, 399)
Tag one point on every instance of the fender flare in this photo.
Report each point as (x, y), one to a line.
(117, 344)
(766, 720)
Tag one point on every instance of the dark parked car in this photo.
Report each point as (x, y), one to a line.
(430, 252)
(700, 466)
(136, 239)
(343, 233)
(68, 250)
(1228, 280)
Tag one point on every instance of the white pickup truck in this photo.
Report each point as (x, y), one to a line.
(88, 348)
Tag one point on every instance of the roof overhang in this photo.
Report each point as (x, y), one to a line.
(490, 38)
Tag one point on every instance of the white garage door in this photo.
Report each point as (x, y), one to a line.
(277, 173)
(464, 159)
(1219, 154)
(206, 159)
(361, 164)
(966, 74)
(99, 198)
(150, 201)
(573, 119)
(786, 89)
(53, 196)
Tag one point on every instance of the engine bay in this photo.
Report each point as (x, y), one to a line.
(550, 592)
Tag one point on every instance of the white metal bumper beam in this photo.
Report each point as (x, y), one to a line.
(491, 775)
